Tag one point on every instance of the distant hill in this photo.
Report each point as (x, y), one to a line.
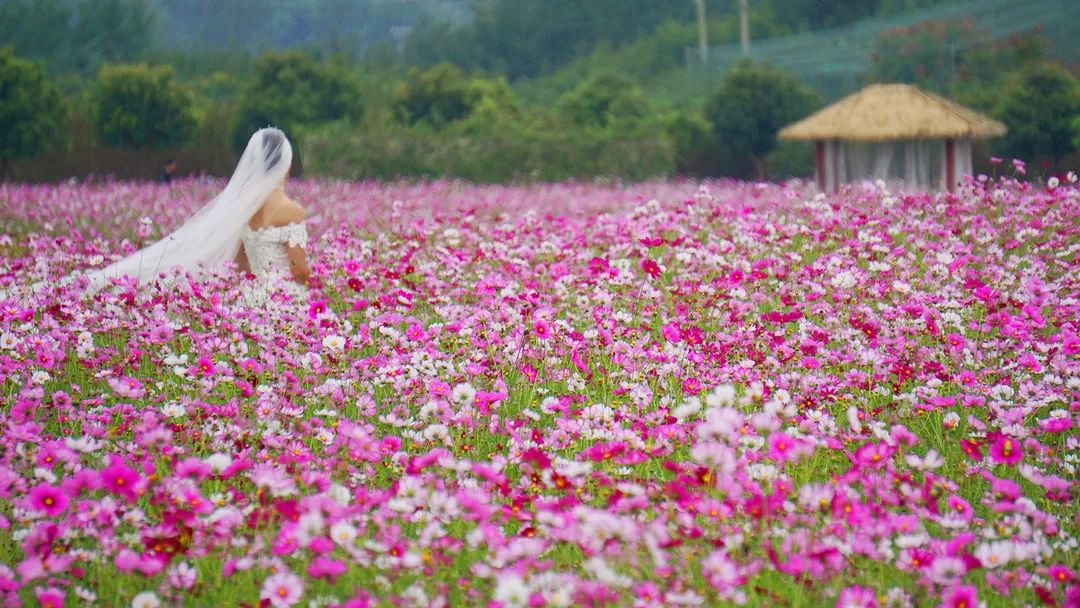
(340, 25)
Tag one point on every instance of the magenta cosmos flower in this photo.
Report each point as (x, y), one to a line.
(121, 479)
(47, 498)
(1006, 450)
(962, 596)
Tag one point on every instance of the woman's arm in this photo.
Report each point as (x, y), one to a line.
(293, 213)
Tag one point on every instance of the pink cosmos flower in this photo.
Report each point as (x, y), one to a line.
(50, 597)
(857, 596)
(324, 567)
(874, 455)
(650, 267)
(1056, 424)
(1061, 574)
(691, 386)
(128, 388)
(48, 498)
(282, 590)
(542, 329)
(961, 596)
(120, 479)
(960, 507)
(671, 332)
(1006, 450)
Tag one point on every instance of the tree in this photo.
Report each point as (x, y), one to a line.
(691, 135)
(138, 106)
(443, 95)
(524, 38)
(437, 96)
(38, 29)
(752, 104)
(111, 31)
(1039, 107)
(603, 101)
(292, 90)
(78, 34)
(32, 112)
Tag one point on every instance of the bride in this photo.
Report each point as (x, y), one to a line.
(251, 222)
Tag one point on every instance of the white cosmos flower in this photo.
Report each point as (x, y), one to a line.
(146, 599)
(853, 419)
(309, 526)
(334, 344)
(688, 409)
(343, 533)
(219, 462)
(511, 591)
(86, 445)
(721, 396)
(325, 436)
(173, 410)
(932, 460)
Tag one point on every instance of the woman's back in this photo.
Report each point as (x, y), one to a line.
(274, 240)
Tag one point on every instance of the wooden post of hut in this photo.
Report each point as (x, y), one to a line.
(893, 132)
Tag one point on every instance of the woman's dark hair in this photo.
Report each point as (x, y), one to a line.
(272, 142)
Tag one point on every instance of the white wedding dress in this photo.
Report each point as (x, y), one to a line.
(268, 255)
(214, 234)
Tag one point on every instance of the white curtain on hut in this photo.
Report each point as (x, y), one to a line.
(869, 161)
(963, 159)
(920, 169)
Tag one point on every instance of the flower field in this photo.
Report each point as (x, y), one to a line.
(556, 395)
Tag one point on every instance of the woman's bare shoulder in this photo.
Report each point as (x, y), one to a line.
(284, 210)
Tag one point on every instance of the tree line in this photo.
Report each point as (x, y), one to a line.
(593, 108)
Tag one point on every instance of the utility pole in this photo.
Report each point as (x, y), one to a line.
(744, 27)
(702, 34)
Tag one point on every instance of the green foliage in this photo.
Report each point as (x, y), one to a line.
(523, 38)
(691, 135)
(752, 104)
(790, 159)
(437, 96)
(512, 155)
(816, 14)
(254, 26)
(604, 101)
(492, 105)
(78, 35)
(1075, 124)
(1040, 107)
(139, 106)
(957, 57)
(443, 95)
(32, 112)
(291, 90)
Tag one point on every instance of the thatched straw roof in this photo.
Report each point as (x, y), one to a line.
(884, 112)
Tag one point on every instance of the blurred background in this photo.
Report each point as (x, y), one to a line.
(508, 90)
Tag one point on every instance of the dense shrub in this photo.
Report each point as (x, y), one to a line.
(293, 91)
(444, 95)
(1039, 107)
(751, 105)
(604, 101)
(31, 109)
(138, 106)
(510, 156)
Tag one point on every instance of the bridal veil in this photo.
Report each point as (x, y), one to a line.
(212, 235)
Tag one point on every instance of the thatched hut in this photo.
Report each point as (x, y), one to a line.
(893, 132)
